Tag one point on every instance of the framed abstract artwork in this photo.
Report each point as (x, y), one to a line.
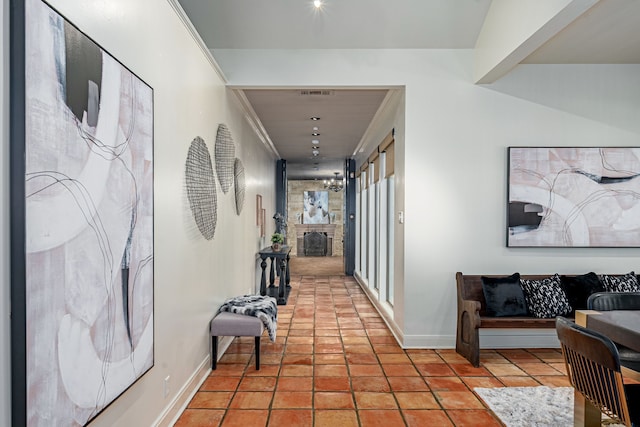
(573, 197)
(315, 207)
(82, 222)
(258, 209)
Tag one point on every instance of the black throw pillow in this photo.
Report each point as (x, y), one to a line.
(578, 288)
(503, 296)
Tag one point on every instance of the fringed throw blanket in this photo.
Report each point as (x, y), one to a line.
(262, 307)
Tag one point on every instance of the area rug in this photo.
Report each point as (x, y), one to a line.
(531, 406)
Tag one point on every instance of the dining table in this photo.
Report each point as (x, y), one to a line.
(622, 327)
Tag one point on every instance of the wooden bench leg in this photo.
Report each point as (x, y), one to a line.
(468, 339)
(257, 353)
(214, 353)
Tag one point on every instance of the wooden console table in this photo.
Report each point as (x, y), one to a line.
(281, 292)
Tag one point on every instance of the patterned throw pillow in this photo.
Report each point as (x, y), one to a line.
(625, 283)
(545, 298)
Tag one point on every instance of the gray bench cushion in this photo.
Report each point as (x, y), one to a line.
(227, 324)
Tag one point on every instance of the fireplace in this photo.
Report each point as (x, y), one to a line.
(315, 243)
(315, 239)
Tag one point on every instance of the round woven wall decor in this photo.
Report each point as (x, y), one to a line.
(225, 156)
(238, 172)
(201, 187)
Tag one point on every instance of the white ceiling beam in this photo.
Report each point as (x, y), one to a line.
(256, 124)
(512, 30)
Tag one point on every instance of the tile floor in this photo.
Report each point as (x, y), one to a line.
(336, 364)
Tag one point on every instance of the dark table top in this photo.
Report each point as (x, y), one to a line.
(268, 252)
(621, 326)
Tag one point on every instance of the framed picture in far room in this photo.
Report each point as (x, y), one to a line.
(573, 197)
(315, 207)
(82, 217)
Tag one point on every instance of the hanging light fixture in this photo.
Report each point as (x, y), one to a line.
(334, 184)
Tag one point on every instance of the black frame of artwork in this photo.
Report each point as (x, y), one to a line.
(17, 217)
(139, 146)
(571, 197)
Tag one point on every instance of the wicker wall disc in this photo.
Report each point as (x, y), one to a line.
(225, 157)
(238, 172)
(201, 187)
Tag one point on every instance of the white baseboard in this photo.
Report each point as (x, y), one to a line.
(176, 407)
(519, 338)
(429, 341)
(490, 338)
(385, 311)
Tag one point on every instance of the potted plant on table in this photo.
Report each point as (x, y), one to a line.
(277, 239)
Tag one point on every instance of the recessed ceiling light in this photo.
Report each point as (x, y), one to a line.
(315, 141)
(315, 134)
(315, 128)
(317, 4)
(315, 118)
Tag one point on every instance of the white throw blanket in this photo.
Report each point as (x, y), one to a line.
(263, 307)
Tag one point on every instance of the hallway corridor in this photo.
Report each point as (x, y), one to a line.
(336, 364)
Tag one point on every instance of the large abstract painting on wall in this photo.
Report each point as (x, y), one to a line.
(87, 210)
(574, 197)
(315, 207)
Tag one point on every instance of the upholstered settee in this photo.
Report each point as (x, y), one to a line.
(524, 302)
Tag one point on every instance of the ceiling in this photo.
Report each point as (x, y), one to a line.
(608, 32)
(344, 117)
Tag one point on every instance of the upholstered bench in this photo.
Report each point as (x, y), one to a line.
(227, 324)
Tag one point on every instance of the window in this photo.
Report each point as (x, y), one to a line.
(372, 230)
(375, 212)
(390, 236)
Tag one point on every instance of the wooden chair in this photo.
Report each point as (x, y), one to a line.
(605, 301)
(593, 367)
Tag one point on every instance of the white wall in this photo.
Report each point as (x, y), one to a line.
(456, 138)
(5, 320)
(192, 275)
